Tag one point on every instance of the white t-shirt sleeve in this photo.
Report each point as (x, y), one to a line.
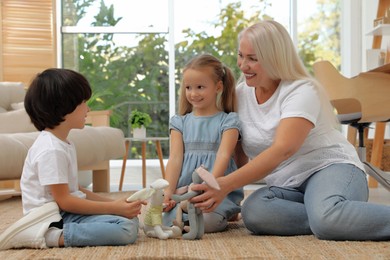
(302, 101)
(53, 167)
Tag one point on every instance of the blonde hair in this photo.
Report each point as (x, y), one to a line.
(277, 55)
(219, 72)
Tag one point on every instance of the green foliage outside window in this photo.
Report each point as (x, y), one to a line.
(124, 79)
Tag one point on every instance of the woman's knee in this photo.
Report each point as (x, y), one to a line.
(252, 207)
(251, 221)
(254, 216)
(324, 230)
(327, 225)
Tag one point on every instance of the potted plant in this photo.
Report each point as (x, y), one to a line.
(139, 121)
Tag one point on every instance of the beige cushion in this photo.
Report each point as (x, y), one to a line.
(96, 144)
(93, 144)
(16, 106)
(16, 121)
(13, 152)
(11, 92)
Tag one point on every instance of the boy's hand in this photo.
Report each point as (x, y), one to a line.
(129, 209)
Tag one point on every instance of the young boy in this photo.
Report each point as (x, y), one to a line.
(57, 211)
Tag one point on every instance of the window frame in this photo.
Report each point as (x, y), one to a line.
(351, 13)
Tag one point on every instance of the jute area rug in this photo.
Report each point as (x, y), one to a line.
(234, 243)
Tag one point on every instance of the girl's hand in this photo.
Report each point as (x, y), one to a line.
(168, 203)
(209, 200)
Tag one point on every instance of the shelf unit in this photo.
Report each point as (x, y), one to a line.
(380, 127)
(382, 29)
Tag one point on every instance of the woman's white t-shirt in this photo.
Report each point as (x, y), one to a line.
(323, 146)
(49, 161)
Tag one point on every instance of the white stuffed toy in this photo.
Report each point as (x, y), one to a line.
(152, 223)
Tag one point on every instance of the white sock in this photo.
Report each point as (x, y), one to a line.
(52, 237)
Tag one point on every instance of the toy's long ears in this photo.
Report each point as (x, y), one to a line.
(141, 194)
(208, 178)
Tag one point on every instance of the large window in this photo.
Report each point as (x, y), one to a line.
(122, 50)
(318, 28)
(132, 52)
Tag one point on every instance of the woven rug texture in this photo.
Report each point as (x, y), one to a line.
(234, 243)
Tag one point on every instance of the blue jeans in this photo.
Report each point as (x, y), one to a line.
(331, 204)
(98, 230)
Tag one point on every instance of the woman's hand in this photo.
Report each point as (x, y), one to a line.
(209, 200)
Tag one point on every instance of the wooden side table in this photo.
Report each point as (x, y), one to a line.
(157, 141)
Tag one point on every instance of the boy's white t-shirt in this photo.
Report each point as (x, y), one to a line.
(49, 161)
(323, 146)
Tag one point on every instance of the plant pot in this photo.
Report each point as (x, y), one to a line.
(139, 132)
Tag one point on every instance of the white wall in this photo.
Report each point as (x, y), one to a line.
(351, 37)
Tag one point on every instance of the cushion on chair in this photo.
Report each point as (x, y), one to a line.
(349, 118)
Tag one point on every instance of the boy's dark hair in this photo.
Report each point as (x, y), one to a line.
(53, 94)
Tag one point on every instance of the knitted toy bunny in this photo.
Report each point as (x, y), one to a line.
(152, 224)
(195, 215)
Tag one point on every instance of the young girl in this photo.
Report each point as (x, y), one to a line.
(205, 132)
(57, 211)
